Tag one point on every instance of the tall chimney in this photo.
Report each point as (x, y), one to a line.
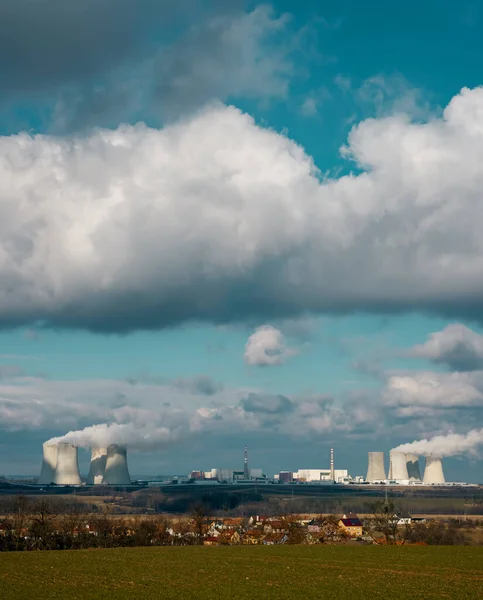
(246, 471)
(332, 470)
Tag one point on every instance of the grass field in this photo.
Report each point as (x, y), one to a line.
(281, 572)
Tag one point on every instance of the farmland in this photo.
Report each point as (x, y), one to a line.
(244, 572)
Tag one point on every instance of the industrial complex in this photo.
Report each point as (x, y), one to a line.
(108, 466)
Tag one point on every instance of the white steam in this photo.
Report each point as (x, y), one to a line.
(126, 434)
(451, 444)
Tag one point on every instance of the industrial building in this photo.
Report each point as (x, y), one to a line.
(317, 475)
(376, 470)
(67, 468)
(116, 471)
(49, 463)
(398, 470)
(433, 472)
(97, 466)
(412, 464)
(232, 475)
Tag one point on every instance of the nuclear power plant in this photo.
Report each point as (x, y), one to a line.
(404, 469)
(412, 465)
(397, 466)
(116, 472)
(108, 466)
(376, 470)
(433, 473)
(97, 467)
(67, 469)
(60, 465)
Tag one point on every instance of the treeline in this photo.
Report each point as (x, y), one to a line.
(27, 525)
(42, 525)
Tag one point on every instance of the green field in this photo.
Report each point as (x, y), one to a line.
(282, 572)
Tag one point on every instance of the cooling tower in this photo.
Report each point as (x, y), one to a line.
(433, 473)
(398, 470)
(49, 463)
(98, 466)
(412, 465)
(116, 472)
(376, 470)
(67, 470)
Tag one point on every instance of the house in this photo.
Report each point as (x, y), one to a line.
(210, 541)
(351, 525)
(275, 527)
(253, 536)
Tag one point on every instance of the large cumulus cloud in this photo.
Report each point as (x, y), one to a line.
(456, 346)
(219, 219)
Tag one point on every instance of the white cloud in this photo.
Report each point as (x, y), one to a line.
(436, 390)
(267, 347)
(456, 347)
(218, 219)
(147, 416)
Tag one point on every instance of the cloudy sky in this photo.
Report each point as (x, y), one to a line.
(227, 223)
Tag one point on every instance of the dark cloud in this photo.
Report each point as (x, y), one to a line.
(267, 403)
(456, 347)
(46, 43)
(199, 384)
(68, 65)
(244, 54)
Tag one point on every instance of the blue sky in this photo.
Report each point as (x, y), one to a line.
(287, 256)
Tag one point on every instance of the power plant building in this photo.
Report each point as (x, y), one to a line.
(376, 470)
(97, 467)
(433, 473)
(49, 464)
(67, 468)
(412, 465)
(116, 471)
(398, 470)
(313, 475)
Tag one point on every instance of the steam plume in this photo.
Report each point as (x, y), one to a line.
(451, 444)
(127, 434)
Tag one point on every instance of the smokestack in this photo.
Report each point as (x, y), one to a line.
(98, 466)
(398, 470)
(116, 472)
(375, 469)
(412, 465)
(49, 463)
(433, 473)
(67, 469)
(332, 470)
(246, 472)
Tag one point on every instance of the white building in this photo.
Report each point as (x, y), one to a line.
(312, 475)
(231, 474)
